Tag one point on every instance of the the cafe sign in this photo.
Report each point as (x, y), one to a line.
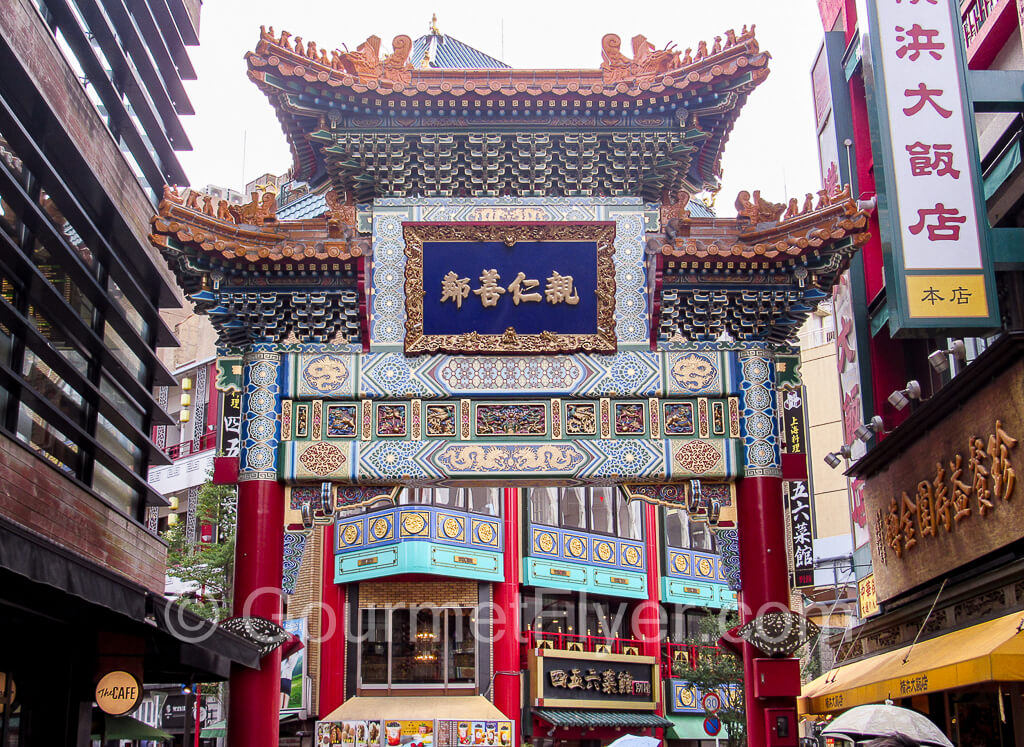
(573, 679)
(118, 693)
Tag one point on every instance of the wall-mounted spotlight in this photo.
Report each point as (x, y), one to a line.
(866, 430)
(901, 397)
(939, 360)
(834, 458)
(693, 499)
(326, 499)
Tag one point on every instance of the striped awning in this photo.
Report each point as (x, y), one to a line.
(588, 718)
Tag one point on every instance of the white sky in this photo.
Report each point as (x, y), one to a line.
(772, 147)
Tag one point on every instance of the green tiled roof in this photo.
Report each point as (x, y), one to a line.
(626, 719)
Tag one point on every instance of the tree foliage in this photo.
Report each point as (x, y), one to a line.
(722, 673)
(207, 568)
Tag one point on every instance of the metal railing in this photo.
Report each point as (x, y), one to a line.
(187, 448)
(974, 13)
(684, 655)
(586, 643)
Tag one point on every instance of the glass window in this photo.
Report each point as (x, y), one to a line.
(675, 527)
(417, 647)
(374, 646)
(602, 517)
(629, 519)
(484, 500)
(573, 509)
(130, 312)
(461, 646)
(701, 537)
(544, 506)
(449, 497)
(46, 439)
(114, 489)
(123, 353)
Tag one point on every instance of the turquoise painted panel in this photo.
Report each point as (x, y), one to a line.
(695, 565)
(617, 583)
(384, 561)
(470, 564)
(686, 370)
(419, 524)
(418, 557)
(579, 577)
(590, 549)
(556, 575)
(726, 598)
(680, 591)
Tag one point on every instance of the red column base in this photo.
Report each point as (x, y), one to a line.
(251, 723)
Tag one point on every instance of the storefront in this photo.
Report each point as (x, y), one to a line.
(455, 721)
(944, 607)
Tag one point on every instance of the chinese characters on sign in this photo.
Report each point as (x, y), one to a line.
(559, 289)
(802, 540)
(935, 224)
(959, 490)
(867, 596)
(607, 681)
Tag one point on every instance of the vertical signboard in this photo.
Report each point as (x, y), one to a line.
(797, 492)
(931, 210)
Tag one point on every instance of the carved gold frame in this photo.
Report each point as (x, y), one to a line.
(418, 343)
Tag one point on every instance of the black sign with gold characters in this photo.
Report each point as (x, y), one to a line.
(592, 680)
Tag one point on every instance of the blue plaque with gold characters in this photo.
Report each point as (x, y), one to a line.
(510, 287)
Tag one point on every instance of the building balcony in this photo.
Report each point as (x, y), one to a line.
(418, 539)
(595, 644)
(693, 577)
(187, 448)
(987, 26)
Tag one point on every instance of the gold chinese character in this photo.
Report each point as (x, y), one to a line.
(454, 288)
(608, 685)
(961, 490)
(520, 284)
(893, 537)
(979, 474)
(559, 289)
(880, 538)
(925, 508)
(592, 679)
(908, 511)
(575, 680)
(625, 683)
(489, 290)
(1003, 475)
(559, 678)
(942, 503)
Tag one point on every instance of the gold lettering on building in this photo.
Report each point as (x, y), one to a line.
(974, 488)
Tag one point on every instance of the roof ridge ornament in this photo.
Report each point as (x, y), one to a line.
(433, 26)
(648, 61)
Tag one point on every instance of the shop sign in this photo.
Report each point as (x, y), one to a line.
(118, 693)
(172, 714)
(348, 734)
(867, 596)
(229, 374)
(479, 733)
(581, 680)
(231, 421)
(951, 496)
(512, 287)
(802, 532)
(931, 210)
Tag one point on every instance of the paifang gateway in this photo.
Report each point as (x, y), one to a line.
(499, 363)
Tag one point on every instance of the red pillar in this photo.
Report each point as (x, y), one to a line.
(765, 576)
(332, 632)
(506, 621)
(255, 694)
(649, 613)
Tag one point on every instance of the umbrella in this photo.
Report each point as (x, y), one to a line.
(126, 727)
(630, 740)
(883, 720)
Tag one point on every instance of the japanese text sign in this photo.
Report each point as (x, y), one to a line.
(931, 211)
(590, 680)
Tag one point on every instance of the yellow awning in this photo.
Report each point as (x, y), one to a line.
(457, 707)
(990, 652)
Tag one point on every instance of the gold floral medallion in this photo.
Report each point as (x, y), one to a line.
(545, 541)
(413, 523)
(632, 556)
(351, 534)
(485, 533)
(604, 551)
(452, 527)
(380, 528)
(576, 547)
